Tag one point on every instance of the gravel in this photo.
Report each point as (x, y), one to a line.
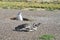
(50, 24)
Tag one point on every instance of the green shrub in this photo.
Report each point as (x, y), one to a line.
(47, 37)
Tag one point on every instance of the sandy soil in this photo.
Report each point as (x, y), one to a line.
(50, 24)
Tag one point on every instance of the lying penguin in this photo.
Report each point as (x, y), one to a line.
(27, 27)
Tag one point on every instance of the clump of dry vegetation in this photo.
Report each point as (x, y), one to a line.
(22, 5)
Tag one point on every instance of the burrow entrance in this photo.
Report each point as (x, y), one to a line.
(24, 19)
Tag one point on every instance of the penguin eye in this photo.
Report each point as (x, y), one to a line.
(35, 25)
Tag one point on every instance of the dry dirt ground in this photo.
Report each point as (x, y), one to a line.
(50, 24)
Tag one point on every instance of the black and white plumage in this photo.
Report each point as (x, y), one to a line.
(19, 16)
(27, 27)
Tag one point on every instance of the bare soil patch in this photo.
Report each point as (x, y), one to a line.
(50, 24)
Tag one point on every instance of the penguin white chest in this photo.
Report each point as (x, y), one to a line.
(20, 17)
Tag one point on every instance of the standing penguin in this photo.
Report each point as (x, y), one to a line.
(19, 16)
